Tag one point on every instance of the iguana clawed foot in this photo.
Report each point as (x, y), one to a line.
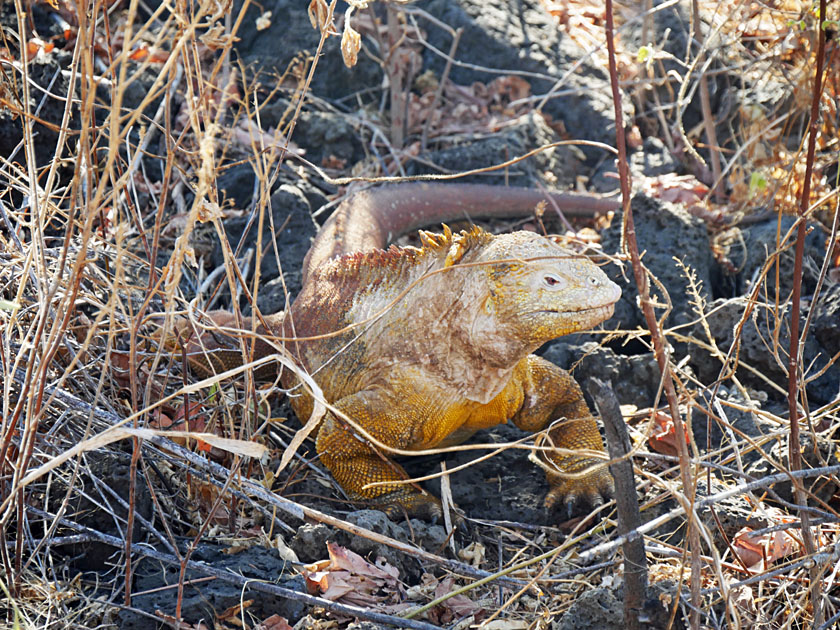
(422, 505)
(572, 491)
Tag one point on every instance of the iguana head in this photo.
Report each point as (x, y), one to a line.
(538, 291)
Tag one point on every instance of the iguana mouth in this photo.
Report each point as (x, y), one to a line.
(606, 308)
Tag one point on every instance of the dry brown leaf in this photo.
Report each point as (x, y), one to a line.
(473, 554)
(318, 12)
(759, 551)
(234, 612)
(275, 622)
(351, 42)
(663, 438)
(352, 579)
(675, 188)
(455, 607)
(172, 622)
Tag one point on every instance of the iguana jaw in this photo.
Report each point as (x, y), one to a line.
(546, 325)
(607, 309)
(592, 316)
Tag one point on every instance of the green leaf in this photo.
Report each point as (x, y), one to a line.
(758, 182)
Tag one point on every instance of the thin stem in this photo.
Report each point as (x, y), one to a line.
(794, 360)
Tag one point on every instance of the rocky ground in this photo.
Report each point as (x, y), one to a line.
(710, 260)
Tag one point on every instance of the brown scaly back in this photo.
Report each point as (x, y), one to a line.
(372, 267)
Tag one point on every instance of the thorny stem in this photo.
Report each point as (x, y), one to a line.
(659, 347)
(794, 454)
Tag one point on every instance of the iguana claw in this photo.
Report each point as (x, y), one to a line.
(573, 492)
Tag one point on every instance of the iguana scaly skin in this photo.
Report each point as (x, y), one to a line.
(422, 347)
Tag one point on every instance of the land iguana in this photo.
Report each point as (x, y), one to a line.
(424, 346)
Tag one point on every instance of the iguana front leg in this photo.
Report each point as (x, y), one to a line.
(354, 463)
(552, 393)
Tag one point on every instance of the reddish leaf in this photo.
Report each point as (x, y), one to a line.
(663, 438)
(758, 551)
(275, 622)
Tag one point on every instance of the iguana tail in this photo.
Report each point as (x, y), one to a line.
(371, 218)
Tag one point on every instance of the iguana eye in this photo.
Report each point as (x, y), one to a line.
(553, 281)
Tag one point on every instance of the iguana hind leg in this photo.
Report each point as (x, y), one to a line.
(552, 393)
(355, 463)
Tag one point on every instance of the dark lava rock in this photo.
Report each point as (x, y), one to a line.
(635, 378)
(817, 451)
(156, 590)
(292, 228)
(328, 135)
(760, 333)
(45, 72)
(826, 322)
(103, 507)
(310, 542)
(520, 35)
(596, 609)
(427, 536)
(664, 232)
(671, 33)
(45, 78)
(603, 609)
(651, 160)
(321, 134)
(531, 130)
(747, 250)
(289, 38)
(502, 35)
(733, 431)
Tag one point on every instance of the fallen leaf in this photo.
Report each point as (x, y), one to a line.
(759, 551)
(663, 437)
(474, 554)
(275, 622)
(348, 577)
(674, 188)
(455, 607)
(234, 612)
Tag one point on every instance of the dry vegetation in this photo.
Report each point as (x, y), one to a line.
(100, 258)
